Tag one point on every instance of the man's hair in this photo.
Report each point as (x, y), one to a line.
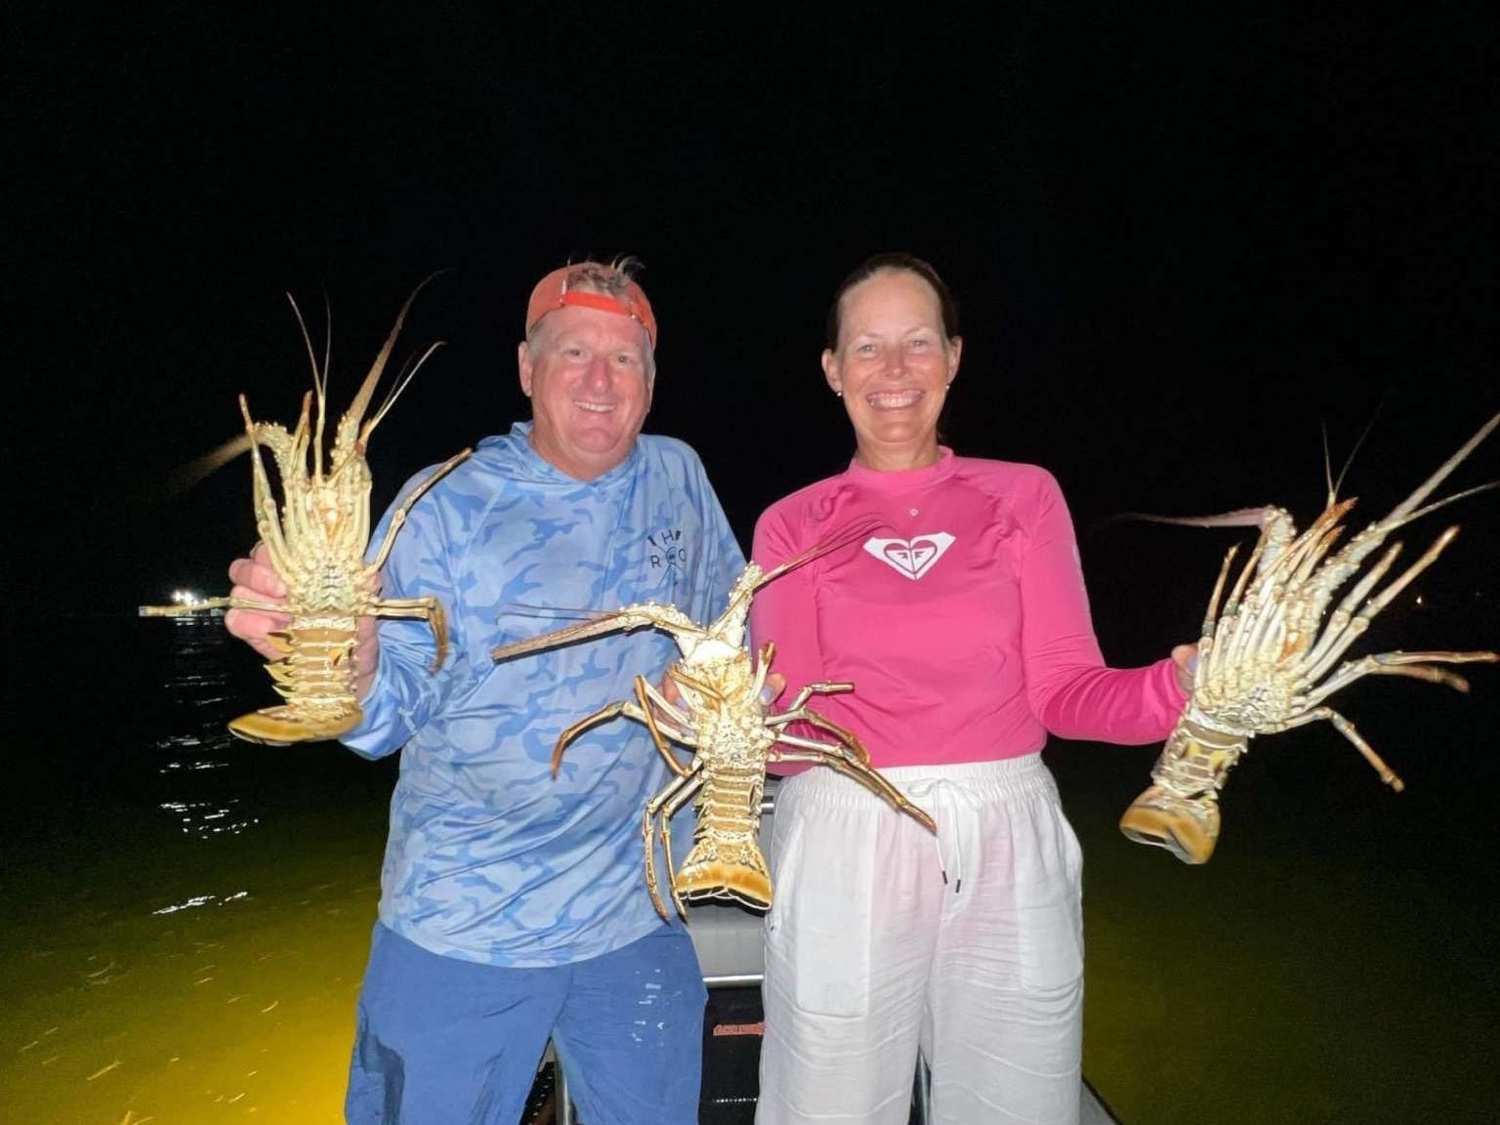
(612, 280)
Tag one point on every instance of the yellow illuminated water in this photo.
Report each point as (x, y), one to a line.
(228, 1011)
(189, 917)
(1333, 962)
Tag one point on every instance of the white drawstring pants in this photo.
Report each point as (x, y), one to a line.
(883, 941)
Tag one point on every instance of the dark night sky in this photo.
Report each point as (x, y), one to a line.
(1181, 240)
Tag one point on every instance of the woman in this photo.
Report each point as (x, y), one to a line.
(963, 623)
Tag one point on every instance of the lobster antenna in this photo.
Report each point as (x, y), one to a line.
(318, 385)
(408, 373)
(1446, 500)
(528, 609)
(402, 378)
(366, 390)
(1240, 517)
(1370, 425)
(1328, 467)
(327, 339)
(1410, 508)
(327, 373)
(835, 542)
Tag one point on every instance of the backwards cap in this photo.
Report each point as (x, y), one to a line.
(559, 288)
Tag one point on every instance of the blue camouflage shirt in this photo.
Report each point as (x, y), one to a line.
(489, 858)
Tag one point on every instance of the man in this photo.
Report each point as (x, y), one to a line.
(513, 905)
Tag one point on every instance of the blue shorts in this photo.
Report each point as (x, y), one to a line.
(449, 1042)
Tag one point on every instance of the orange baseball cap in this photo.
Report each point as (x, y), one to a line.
(554, 292)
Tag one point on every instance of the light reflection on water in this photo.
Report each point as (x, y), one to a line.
(190, 913)
(195, 820)
(201, 900)
(197, 686)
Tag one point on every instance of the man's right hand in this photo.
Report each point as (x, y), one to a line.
(255, 579)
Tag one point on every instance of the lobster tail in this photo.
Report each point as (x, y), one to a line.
(316, 677)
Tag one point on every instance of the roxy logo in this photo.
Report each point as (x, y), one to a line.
(912, 557)
(665, 549)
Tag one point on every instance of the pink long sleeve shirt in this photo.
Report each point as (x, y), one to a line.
(962, 620)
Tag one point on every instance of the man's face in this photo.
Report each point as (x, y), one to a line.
(585, 372)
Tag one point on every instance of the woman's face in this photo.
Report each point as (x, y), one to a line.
(893, 365)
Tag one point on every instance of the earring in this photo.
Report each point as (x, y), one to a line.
(838, 394)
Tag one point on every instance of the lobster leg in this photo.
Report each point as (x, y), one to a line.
(664, 705)
(807, 693)
(1418, 665)
(667, 618)
(604, 715)
(1347, 729)
(649, 696)
(669, 810)
(1362, 619)
(398, 518)
(801, 714)
(428, 609)
(211, 603)
(688, 784)
(841, 760)
(762, 666)
(708, 691)
(267, 521)
(1347, 617)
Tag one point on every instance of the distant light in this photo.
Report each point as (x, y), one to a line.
(1419, 599)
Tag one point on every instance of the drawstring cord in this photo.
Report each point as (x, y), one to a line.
(945, 797)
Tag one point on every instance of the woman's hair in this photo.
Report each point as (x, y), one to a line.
(893, 261)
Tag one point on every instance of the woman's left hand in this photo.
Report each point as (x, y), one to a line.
(1186, 659)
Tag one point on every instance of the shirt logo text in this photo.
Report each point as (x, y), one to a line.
(666, 549)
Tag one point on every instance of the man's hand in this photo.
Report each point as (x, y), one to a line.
(366, 653)
(254, 578)
(1186, 659)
